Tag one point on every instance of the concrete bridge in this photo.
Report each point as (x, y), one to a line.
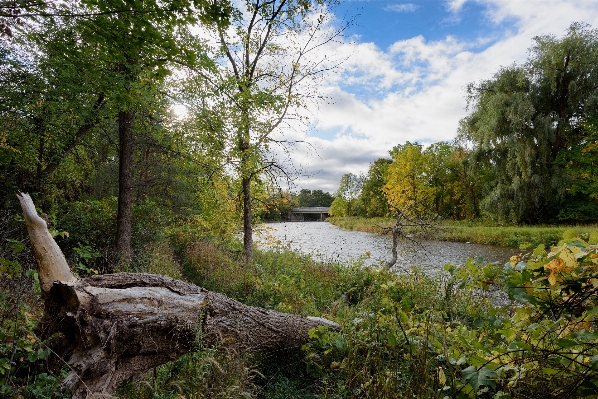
(298, 214)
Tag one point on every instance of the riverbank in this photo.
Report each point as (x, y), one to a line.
(404, 334)
(505, 236)
(327, 242)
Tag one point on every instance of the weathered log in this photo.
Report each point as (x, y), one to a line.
(119, 326)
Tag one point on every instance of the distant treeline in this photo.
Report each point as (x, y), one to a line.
(280, 204)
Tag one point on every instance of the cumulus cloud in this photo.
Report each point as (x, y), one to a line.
(404, 7)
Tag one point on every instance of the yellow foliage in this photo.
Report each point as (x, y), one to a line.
(514, 260)
(406, 186)
(564, 263)
(4, 144)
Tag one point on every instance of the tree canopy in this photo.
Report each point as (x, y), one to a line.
(528, 116)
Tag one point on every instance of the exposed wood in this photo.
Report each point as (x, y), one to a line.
(119, 326)
(51, 263)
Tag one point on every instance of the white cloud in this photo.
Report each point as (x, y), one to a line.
(455, 5)
(404, 7)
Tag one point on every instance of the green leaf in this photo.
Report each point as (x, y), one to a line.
(479, 378)
(593, 311)
(586, 335)
(566, 343)
(16, 246)
(520, 345)
(549, 371)
(392, 339)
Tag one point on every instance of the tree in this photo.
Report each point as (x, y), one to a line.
(455, 187)
(51, 103)
(137, 45)
(278, 205)
(321, 198)
(314, 198)
(304, 197)
(580, 164)
(347, 196)
(526, 116)
(98, 67)
(372, 197)
(141, 43)
(470, 179)
(407, 186)
(265, 57)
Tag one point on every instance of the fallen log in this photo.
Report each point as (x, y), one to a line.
(119, 326)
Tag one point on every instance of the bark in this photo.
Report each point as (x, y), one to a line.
(119, 326)
(247, 220)
(124, 220)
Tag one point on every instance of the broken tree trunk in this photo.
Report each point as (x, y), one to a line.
(118, 326)
(420, 227)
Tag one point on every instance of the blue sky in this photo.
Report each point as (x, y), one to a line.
(407, 65)
(385, 22)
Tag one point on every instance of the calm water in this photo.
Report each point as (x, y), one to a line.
(327, 242)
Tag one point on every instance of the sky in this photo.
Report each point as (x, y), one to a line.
(406, 66)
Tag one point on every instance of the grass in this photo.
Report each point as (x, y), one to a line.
(366, 359)
(404, 335)
(478, 232)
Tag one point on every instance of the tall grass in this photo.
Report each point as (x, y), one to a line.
(369, 358)
(403, 335)
(477, 232)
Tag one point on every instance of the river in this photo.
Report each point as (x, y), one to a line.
(327, 242)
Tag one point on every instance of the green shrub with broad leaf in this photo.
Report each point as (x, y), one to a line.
(546, 343)
(446, 336)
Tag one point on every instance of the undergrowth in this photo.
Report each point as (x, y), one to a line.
(403, 335)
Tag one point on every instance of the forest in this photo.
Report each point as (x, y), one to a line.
(152, 136)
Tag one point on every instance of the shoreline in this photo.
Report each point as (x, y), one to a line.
(474, 232)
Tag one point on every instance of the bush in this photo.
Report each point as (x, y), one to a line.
(25, 369)
(91, 222)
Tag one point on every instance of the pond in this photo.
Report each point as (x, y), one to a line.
(327, 242)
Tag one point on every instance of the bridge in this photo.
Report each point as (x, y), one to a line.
(298, 214)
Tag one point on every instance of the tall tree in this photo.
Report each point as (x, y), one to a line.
(407, 188)
(526, 116)
(346, 199)
(308, 197)
(266, 57)
(51, 102)
(123, 51)
(139, 38)
(580, 162)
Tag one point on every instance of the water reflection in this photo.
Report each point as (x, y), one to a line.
(327, 242)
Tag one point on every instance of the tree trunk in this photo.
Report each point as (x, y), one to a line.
(247, 220)
(119, 326)
(124, 220)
